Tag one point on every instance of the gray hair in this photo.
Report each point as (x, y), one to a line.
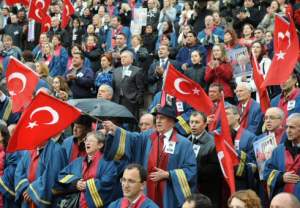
(279, 111)
(294, 115)
(98, 135)
(108, 88)
(129, 53)
(233, 108)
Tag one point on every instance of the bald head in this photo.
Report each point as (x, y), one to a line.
(285, 200)
(146, 122)
(274, 118)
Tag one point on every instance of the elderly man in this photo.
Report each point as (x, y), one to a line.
(209, 172)
(251, 115)
(128, 84)
(282, 170)
(242, 140)
(273, 122)
(285, 200)
(167, 156)
(133, 184)
(146, 122)
(105, 92)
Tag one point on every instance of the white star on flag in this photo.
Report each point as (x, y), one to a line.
(32, 124)
(280, 55)
(196, 91)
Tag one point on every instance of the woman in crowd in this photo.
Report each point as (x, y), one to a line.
(197, 70)
(105, 75)
(60, 88)
(268, 21)
(149, 37)
(61, 55)
(244, 199)
(91, 178)
(247, 35)
(92, 52)
(43, 70)
(230, 40)
(184, 29)
(219, 70)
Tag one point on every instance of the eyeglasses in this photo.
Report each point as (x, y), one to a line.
(271, 117)
(129, 181)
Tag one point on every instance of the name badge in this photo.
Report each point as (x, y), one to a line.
(128, 73)
(196, 149)
(291, 105)
(170, 147)
(237, 145)
(80, 74)
(179, 106)
(16, 33)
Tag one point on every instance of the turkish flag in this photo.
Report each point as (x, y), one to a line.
(46, 23)
(68, 11)
(187, 90)
(21, 82)
(45, 117)
(227, 155)
(258, 78)
(38, 10)
(286, 50)
(13, 2)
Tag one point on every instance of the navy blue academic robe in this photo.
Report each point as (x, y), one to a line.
(99, 190)
(181, 165)
(275, 167)
(7, 187)
(148, 203)
(51, 160)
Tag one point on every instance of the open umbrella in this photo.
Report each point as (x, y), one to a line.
(104, 109)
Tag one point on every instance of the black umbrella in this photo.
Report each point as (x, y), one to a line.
(103, 109)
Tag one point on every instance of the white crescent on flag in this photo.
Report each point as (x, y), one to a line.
(54, 114)
(20, 76)
(177, 85)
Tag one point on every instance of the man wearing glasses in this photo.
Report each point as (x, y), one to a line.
(133, 184)
(282, 170)
(273, 123)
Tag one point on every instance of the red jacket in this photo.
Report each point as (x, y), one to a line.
(222, 75)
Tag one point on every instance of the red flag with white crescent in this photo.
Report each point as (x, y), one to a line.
(226, 153)
(187, 90)
(286, 52)
(68, 11)
(38, 10)
(21, 83)
(44, 118)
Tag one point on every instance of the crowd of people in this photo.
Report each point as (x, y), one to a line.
(168, 159)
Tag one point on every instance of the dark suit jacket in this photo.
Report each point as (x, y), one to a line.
(132, 86)
(208, 168)
(155, 81)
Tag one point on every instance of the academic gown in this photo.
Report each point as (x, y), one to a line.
(7, 187)
(68, 145)
(181, 165)
(148, 203)
(99, 190)
(275, 167)
(291, 105)
(244, 174)
(252, 116)
(51, 160)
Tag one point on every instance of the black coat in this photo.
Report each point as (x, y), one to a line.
(197, 73)
(210, 176)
